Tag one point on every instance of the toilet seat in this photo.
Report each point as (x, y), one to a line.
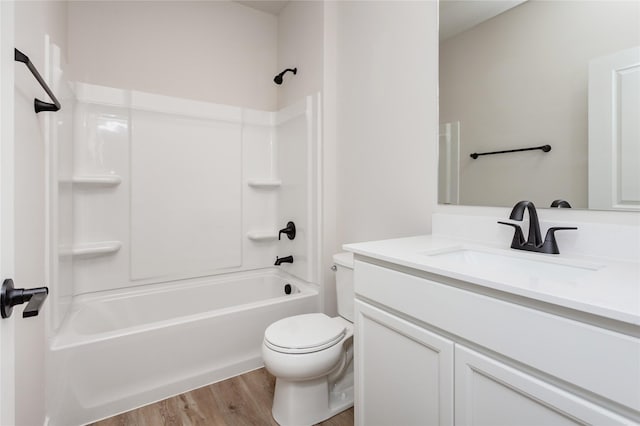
(303, 334)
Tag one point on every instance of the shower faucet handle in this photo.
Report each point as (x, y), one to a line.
(290, 230)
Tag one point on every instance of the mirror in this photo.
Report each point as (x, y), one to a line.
(526, 74)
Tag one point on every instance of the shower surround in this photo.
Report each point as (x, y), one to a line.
(169, 196)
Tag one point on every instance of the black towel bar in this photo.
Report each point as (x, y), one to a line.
(545, 148)
(38, 105)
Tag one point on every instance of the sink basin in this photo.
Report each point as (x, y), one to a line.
(505, 262)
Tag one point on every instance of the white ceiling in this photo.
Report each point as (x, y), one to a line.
(457, 16)
(270, 6)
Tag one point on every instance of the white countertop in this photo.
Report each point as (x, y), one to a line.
(603, 287)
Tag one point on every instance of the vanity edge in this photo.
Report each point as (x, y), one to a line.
(616, 306)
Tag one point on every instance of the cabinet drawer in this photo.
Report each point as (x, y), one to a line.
(491, 393)
(601, 361)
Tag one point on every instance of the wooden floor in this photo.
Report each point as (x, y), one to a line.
(239, 401)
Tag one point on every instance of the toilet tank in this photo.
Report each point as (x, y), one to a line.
(344, 284)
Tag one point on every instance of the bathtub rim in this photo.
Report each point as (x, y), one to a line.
(66, 337)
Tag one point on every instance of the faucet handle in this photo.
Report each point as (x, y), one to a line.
(560, 203)
(553, 229)
(290, 231)
(550, 245)
(518, 236)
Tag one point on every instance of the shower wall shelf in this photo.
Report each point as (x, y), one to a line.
(264, 183)
(96, 248)
(262, 235)
(97, 180)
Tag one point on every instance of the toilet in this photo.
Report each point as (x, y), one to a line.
(311, 356)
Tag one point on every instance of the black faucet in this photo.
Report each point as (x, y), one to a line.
(534, 241)
(281, 260)
(290, 231)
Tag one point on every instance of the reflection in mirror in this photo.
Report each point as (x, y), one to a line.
(540, 73)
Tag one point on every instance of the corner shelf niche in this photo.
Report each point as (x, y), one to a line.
(262, 235)
(264, 183)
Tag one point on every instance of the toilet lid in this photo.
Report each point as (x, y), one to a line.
(304, 333)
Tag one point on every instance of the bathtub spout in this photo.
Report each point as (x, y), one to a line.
(281, 260)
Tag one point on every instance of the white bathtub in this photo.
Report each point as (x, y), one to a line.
(121, 350)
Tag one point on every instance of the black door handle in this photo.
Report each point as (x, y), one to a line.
(11, 296)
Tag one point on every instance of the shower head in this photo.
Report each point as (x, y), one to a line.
(278, 78)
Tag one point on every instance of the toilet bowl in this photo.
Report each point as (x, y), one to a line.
(311, 356)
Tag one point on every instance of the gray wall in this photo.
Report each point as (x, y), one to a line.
(215, 51)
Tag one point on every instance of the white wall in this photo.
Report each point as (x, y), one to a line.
(386, 105)
(300, 45)
(521, 80)
(32, 21)
(7, 246)
(328, 214)
(215, 51)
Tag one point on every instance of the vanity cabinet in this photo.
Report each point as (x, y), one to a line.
(432, 351)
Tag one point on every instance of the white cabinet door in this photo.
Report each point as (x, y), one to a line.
(403, 373)
(488, 392)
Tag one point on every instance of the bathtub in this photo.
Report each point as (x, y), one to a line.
(120, 350)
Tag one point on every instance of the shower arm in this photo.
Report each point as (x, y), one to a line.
(278, 78)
